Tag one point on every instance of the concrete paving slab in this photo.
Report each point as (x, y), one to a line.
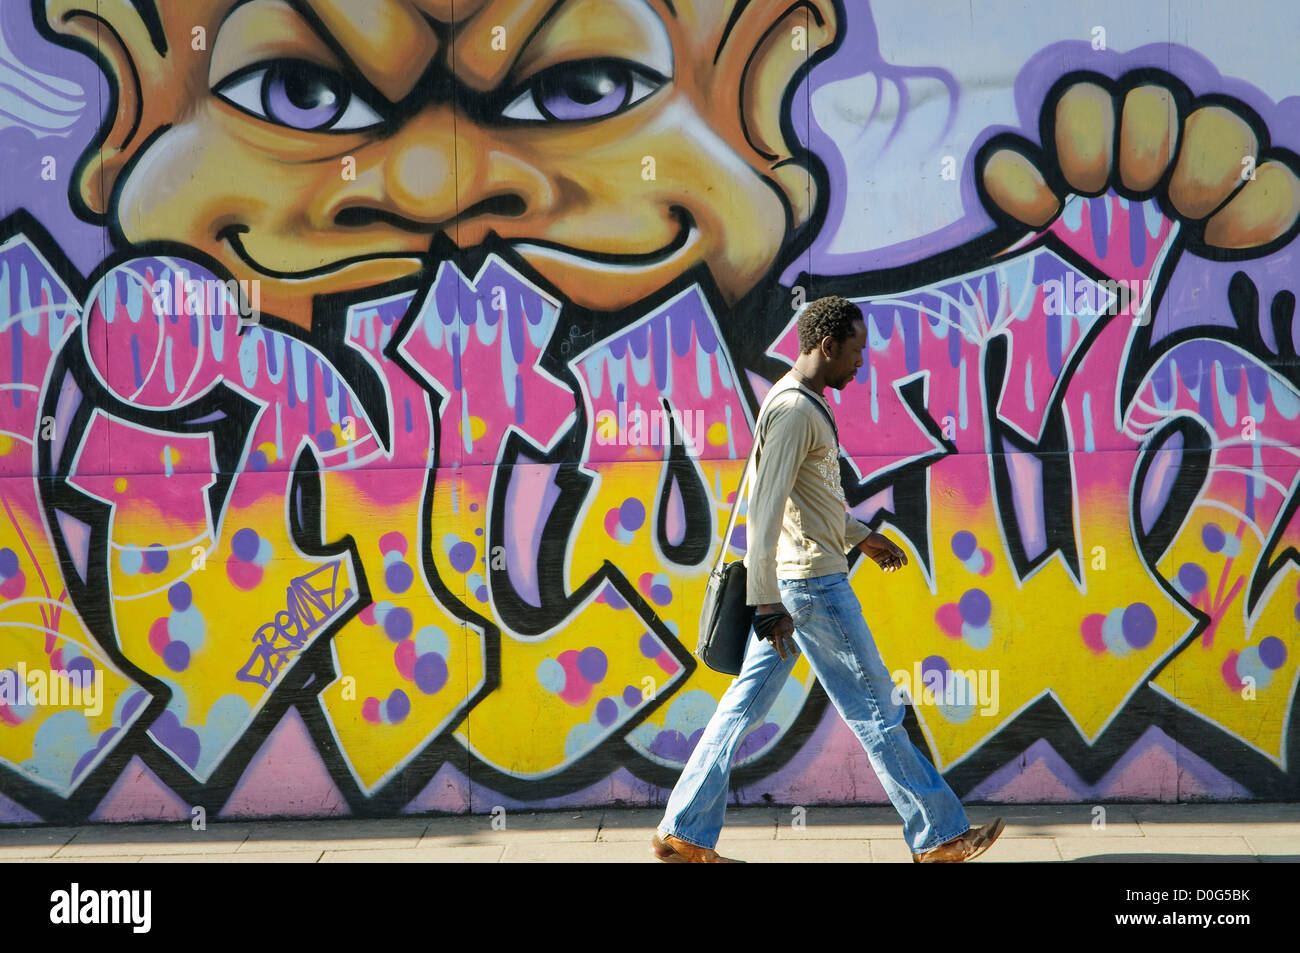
(17, 844)
(1273, 845)
(1073, 820)
(638, 824)
(560, 826)
(798, 852)
(1262, 832)
(276, 857)
(617, 852)
(481, 854)
(336, 835)
(1155, 849)
(36, 836)
(1220, 813)
(894, 850)
(837, 823)
(105, 841)
(124, 859)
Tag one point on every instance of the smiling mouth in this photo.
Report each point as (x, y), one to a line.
(230, 234)
(686, 234)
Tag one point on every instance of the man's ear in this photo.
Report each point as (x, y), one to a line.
(768, 54)
(131, 51)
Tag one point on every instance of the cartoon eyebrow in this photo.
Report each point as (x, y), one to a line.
(389, 59)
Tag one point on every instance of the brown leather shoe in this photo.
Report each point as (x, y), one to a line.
(674, 850)
(964, 847)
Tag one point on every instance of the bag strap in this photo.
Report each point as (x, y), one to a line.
(749, 470)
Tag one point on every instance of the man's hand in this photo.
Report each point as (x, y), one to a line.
(782, 633)
(1201, 158)
(883, 552)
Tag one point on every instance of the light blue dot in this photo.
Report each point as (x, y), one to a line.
(392, 556)
(1231, 546)
(263, 553)
(473, 581)
(432, 639)
(381, 610)
(187, 627)
(690, 712)
(977, 636)
(550, 675)
(132, 560)
(1112, 633)
(1249, 664)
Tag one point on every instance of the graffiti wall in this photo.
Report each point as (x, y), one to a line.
(376, 379)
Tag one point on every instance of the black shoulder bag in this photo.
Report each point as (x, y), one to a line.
(726, 618)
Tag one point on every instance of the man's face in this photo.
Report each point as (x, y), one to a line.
(319, 151)
(845, 356)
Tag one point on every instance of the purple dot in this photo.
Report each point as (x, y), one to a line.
(1212, 537)
(155, 557)
(478, 530)
(1138, 625)
(326, 439)
(592, 664)
(975, 607)
(177, 656)
(934, 663)
(473, 507)
(399, 577)
(398, 706)
(738, 538)
(1272, 652)
(631, 697)
(430, 673)
(481, 594)
(8, 563)
(244, 544)
(87, 668)
(257, 460)
(606, 711)
(398, 623)
(180, 596)
(462, 556)
(649, 645)
(671, 746)
(614, 599)
(631, 514)
(963, 545)
(1192, 578)
(661, 595)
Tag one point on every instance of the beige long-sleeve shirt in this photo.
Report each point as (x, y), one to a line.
(798, 523)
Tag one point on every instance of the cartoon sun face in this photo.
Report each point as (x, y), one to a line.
(321, 147)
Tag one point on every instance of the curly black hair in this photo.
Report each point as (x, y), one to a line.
(831, 317)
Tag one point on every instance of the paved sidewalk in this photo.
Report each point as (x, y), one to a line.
(1141, 833)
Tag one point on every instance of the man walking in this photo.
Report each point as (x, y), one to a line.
(799, 530)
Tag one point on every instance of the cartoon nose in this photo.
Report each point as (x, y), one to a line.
(441, 170)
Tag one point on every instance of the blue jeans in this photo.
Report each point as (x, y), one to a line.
(831, 632)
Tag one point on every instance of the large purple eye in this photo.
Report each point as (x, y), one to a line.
(585, 90)
(299, 95)
(303, 96)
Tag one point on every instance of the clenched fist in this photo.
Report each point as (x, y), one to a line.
(1206, 160)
